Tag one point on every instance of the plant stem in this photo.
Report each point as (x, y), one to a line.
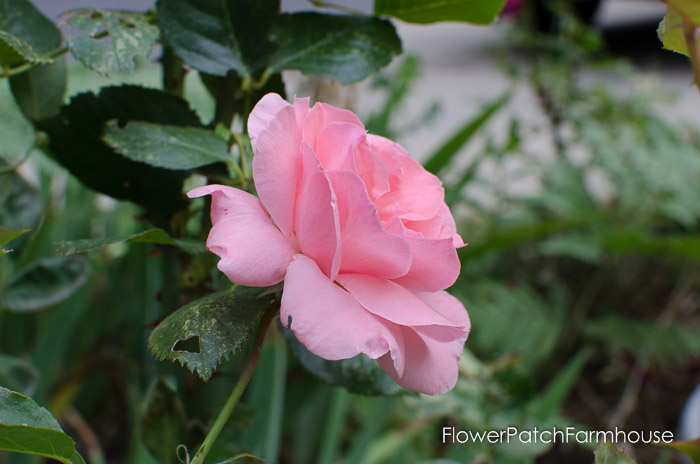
(237, 390)
(173, 73)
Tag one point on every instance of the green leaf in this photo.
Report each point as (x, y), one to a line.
(689, 447)
(216, 36)
(342, 47)
(22, 206)
(25, 427)
(76, 142)
(110, 40)
(359, 374)
(609, 453)
(14, 50)
(162, 423)
(26, 35)
(164, 146)
(678, 31)
(159, 236)
(39, 92)
(449, 149)
(430, 11)
(45, 283)
(18, 375)
(202, 333)
(7, 235)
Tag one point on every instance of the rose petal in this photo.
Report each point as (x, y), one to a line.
(435, 265)
(371, 170)
(367, 247)
(316, 220)
(397, 304)
(276, 166)
(263, 113)
(253, 251)
(430, 366)
(322, 115)
(334, 146)
(448, 306)
(327, 319)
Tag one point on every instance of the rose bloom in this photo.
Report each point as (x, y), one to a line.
(360, 234)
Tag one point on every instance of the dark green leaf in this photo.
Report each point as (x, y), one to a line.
(76, 143)
(22, 206)
(25, 427)
(449, 149)
(202, 333)
(342, 47)
(169, 147)
(45, 283)
(14, 50)
(609, 453)
(216, 36)
(359, 374)
(430, 11)
(25, 34)
(18, 374)
(158, 236)
(163, 421)
(110, 40)
(8, 235)
(39, 91)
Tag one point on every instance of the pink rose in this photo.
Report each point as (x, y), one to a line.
(359, 232)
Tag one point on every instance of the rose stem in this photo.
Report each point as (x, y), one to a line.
(237, 390)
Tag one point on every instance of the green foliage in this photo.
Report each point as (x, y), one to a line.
(163, 421)
(609, 453)
(201, 334)
(430, 11)
(219, 36)
(166, 146)
(110, 40)
(76, 143)
(690, 447)
(25, 427)
(25, 34)
(18, 375)
(359, 374)
(7, 235)
(159, 236)
(45, 283)
(39, 92)
(345, 48)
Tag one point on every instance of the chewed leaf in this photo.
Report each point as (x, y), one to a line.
(359, 374)
(110, 40)
(202, 333)
(26, 427)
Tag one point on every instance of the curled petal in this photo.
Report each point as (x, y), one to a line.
(252, 250)
(327, 319)
(263, 113)
(321, 115)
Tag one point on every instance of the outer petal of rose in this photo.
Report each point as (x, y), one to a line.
(430, 366)
(323, 114)
(397, 304)
(327, 319)
(276, 167)
(316, 221)
(367, 247)
(263, 113)
(447, 305)
(253, 252)
(335, 145)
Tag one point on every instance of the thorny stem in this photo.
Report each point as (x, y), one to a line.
(237, 390)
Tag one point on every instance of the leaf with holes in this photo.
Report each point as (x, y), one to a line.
(162, 423)
(26, 427)
(342, 47)
(217, 36)
(202, 333)
(110, 40)
(18, 375)
(164, 146)
(45, 283)
(359, 375)
(26, 35)
(430, 11)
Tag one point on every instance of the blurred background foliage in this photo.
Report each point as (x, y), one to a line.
(582, 291)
